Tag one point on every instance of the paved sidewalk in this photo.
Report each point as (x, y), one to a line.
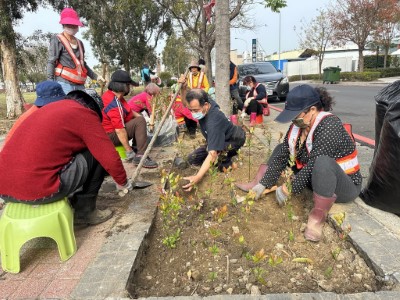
(108, 254)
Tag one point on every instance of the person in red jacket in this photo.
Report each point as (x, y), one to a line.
(142, 101)
(121, 123)
(65, 154)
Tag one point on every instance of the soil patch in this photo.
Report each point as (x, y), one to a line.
(204, 242)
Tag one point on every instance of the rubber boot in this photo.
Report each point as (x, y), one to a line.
(259, 119)
(234, 119)
(248, 186)
(253, 118)
(317, 216)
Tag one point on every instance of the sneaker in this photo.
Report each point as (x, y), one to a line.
(148, 163)
(93, 218)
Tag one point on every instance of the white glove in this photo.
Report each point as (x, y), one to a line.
(100, 78)
(247, 102)
(128, 186)
(243, 115)
(281, 198)
(258, 189)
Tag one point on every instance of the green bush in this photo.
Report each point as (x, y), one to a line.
(388, 72)
(344, 76)
(370, 61)
(305, 77)
(359, 76)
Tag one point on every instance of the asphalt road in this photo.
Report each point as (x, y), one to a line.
(354, 104)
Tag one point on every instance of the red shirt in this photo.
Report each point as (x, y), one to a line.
(140, 101)
(181, 111)
(116, 112)
(45, 142)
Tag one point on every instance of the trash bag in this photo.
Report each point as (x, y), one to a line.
(383, 187)
(168, 133)
(383, 99)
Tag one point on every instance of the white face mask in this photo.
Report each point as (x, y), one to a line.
(71, 31)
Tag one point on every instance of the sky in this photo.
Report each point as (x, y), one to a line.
(267, 29)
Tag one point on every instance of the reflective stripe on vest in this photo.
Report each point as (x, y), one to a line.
(262, 101)
(77, 75)
(199, 82)
(349, 163)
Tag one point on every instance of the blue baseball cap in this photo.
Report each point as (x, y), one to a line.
(298, 100)
(48, 91)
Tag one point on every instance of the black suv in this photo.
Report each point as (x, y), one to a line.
(276, 84)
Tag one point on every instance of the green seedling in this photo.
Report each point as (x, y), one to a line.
(259, 274)
(335, 253)
(291, 236)
(215, 232)
(274, 260)
(242, 240)
(259, 256)
(247, 256)
(214, 249)
(170, 241)
(328, 272)
(212, 276)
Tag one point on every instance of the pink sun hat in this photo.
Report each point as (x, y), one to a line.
(70, 17)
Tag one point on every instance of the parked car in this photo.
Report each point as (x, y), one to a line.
(276, 84)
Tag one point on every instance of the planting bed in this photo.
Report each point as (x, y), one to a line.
(204, 242)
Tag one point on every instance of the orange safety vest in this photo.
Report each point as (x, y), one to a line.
(77, 75)
(349, 163)
(264, 101)
(199, 82)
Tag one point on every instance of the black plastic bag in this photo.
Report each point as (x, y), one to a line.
(383, 187)
(384, 98)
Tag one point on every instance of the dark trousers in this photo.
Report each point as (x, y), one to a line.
(237, 101)
(254, 106)
(82, 177)
(136, 130)
(231, 147)
(328, 178)
(190, 125)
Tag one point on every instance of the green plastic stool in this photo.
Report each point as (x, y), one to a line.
(121, 151)
(21, 222)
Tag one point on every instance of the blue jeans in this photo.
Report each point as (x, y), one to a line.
(68, 87)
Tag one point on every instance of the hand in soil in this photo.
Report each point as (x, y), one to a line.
(192, 181)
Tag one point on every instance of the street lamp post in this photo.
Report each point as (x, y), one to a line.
(247, 53)
(279, 44)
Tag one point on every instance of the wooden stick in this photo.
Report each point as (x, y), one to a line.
(153, 139)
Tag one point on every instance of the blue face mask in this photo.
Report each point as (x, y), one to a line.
(198, 115)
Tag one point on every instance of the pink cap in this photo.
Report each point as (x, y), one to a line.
(70, 17)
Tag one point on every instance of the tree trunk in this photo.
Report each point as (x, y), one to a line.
(385, 57)
(207, 57)
(360, 60)
(222, 47)
(14, 100)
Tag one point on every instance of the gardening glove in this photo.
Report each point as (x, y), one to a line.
(128, 186)
(100, 78)
(247, 102)
(130, 155)
(258, 189)
(243, 115)
(281, 197)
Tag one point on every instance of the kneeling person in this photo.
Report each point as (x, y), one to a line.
(223, 138)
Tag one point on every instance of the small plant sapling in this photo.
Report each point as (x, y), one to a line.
(328, 272)
(259, 274)
(220, 213)
(336, 252)
(212, 276)
(274, 260)
(171, 240)
(259, 256)
(214, 250)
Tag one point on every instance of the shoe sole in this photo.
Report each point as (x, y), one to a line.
(91, 223)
